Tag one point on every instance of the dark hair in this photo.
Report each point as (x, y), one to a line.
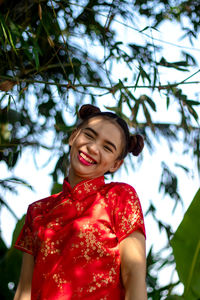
(133, 143)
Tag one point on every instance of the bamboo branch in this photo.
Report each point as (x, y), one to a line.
(108, 88)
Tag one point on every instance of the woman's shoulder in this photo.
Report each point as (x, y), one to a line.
(119, 188)
(121, 195)
(44, 203)
(119, 185)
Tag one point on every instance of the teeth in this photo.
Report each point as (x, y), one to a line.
(86, 158)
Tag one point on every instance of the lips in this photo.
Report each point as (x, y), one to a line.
(86, 159)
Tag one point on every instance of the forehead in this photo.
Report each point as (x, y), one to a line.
(105, 127)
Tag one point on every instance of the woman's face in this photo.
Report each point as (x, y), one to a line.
(95, 149)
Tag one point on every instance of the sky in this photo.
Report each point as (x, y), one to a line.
(145, 178)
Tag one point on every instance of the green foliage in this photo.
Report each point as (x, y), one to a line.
(17, 230)
(57, 55)
(10, 270)
(10, 264)
(169, 184)
(186, 248)
(57, 188)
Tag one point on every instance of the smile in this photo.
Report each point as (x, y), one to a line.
(86, 159)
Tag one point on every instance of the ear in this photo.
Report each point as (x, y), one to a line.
(117, 164)
(73, 136)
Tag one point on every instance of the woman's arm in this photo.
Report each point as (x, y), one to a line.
(24, 286)
(133, 266)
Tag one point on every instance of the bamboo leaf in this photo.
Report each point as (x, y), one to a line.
(193, 113)
(2, 202)
(155, 71)
(187, 170)
(40, 11)
(176, 65)
(4, 31)
(145, 28)
(150, 102)
(137, 80)
(135, 110)
(192, 102)
(144, 75)
(17, 229)
(16, 180)
(130, 95)
(113, 108)
(147, 114)
(11, 41)
(168, 101)
(186, 249)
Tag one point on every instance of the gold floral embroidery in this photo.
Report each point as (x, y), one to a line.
(66, 201)
(27, 242)
(89, 242)
(59, 280)
(48, 247)
(84, 189)
(131, 216)
(55, 223)
(99, 280)
(79, 206)
(87, 187)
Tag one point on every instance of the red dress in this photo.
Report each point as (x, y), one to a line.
(74, 237)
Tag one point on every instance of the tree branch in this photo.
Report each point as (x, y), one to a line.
(108, 88)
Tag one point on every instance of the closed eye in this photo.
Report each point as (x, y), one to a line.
(107, 148)
(88, 135)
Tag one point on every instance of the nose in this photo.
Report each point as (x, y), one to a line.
(93, 148)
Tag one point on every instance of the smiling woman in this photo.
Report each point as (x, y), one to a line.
(87, 242)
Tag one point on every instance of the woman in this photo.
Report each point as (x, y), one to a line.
(87, 242)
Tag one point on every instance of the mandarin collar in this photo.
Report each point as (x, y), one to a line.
(83, 188)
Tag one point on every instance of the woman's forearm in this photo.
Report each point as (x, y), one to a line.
(135, 287)
(22, 295)
(23, 291)
(133, 266)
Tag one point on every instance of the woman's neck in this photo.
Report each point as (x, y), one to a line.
(74, 179)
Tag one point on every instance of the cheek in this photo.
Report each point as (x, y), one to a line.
(81, 139)
(77, 142)
(108, 160)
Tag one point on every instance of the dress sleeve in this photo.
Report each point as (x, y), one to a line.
(128, 216)
(25, 239)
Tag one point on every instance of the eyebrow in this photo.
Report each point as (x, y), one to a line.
(96, 134)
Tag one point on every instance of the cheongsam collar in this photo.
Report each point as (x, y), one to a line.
(83, 188)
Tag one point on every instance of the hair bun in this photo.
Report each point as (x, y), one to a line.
(87, 110)
(136, 144)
